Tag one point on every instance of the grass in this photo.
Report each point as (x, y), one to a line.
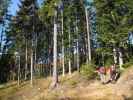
(6, 85)
(68, 89)
(4, 92)
(71, 87)
(9, 89)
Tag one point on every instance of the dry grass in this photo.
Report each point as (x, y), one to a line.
(72, 87)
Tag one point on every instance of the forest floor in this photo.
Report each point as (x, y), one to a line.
(72, 87)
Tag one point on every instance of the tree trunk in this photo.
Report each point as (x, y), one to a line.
(18, 70)
(77, 46)
(78, 56)
(55, 75)
(63, 65)
(86, 50)
(31, 69)
(69, 62)
(26, 58)
(35, 52)
(115, 55)
(120, 59)
(88, 35)
(1, 39)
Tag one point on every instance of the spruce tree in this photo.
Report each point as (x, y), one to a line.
(113, 26)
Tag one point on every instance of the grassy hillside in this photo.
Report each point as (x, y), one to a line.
(72, 87)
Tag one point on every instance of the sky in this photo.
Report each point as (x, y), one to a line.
(14, 6)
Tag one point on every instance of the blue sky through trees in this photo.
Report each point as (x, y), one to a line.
(14, 6)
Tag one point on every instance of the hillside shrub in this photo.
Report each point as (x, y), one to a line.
(87, 71)
(108, 61)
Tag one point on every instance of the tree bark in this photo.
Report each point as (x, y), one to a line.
(115, 55)
(77, 46)
(31, 69)
(63, 65)
(69, 62)
(78, 56)
(35, 52)
(18, 70)
(88, 35)
(55, 75)
(26, 58)
(2, 36)
(120, 58)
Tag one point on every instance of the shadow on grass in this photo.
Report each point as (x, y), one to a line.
(10, 88)
(7, 85)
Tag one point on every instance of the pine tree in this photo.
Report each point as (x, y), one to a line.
(26, 32)
(3, 9)
(112, 26)
(50, 9)
(4, 17)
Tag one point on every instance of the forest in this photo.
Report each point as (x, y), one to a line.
(58, 45)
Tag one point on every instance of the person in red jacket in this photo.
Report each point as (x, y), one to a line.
(101, 71)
